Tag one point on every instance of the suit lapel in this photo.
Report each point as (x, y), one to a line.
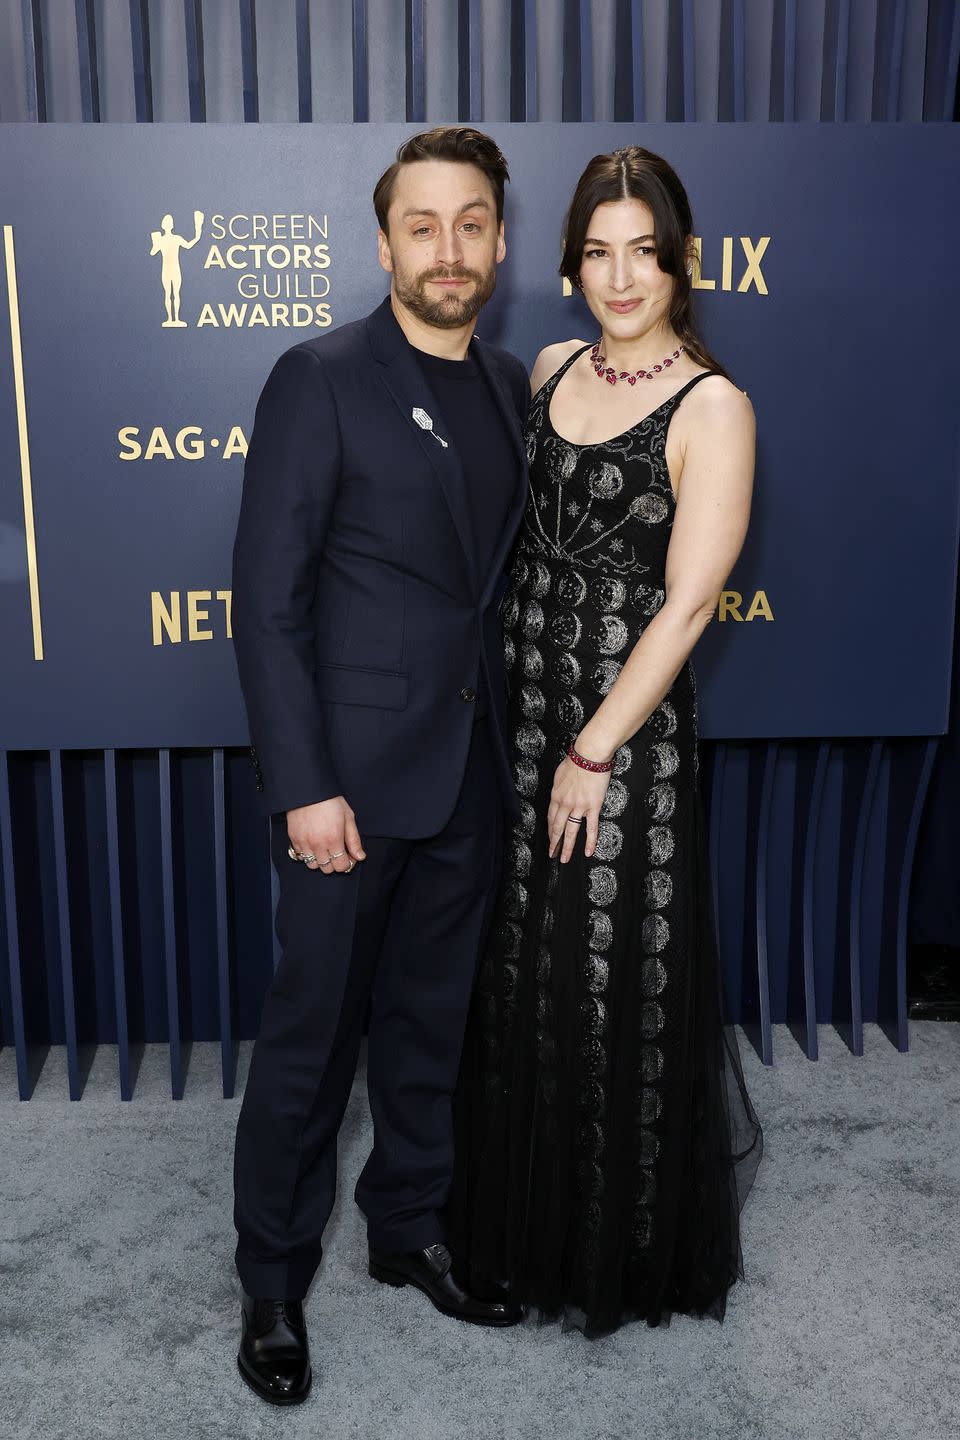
(511, 420)
(408, 387)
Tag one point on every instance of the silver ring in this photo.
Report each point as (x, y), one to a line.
(577, 819)
(298, 855)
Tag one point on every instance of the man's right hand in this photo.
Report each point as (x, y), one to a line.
(326, 829)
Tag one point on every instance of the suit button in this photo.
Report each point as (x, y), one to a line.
(468, 694)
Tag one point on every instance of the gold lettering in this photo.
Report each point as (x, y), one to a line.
(235, 443)
(193, 451)
(158, 444)
(730, 602)
(126, 437)
(227, 597)
(752, 273)
(760, 605)
(698, 282)
(727, 281)
(164, 619)
(195, 615)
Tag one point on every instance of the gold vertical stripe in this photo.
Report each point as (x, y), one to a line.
(14, 305)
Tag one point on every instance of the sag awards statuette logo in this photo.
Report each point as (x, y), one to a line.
(276, 264)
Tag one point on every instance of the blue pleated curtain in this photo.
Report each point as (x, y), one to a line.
(136, 892)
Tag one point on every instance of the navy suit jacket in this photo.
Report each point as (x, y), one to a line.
(360, 623)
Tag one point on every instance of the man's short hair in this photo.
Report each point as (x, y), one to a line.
(459, 143)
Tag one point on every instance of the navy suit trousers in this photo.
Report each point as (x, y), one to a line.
(401, 933)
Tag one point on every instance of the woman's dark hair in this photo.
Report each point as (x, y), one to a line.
(459, 143)
(636, 174)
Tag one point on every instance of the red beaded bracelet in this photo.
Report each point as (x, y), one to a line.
(598, 767)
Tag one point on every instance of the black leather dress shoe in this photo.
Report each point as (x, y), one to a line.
(430, 1270)
(274, 1355)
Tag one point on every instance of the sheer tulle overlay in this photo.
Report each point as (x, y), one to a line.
(605, 1138)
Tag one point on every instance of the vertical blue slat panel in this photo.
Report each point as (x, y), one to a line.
(248, 56)
(758, 67)
(361, 92)
(170, 928)
(953, 65)
(843, 50)
(140, 45)
(895, 71)
(771, 755)
(913, 75)
(87, 55)
(811, 836)
(877, 952)
(65, 945)
(811, 58)
(116, 923)
(862, 61)
(903, 893)
(13, 932)
(416, 63)
(196, 76)
(637, 61)
(856, 894)
(656, 47)
(790, 60)
(710, 64)
(689, 63)
(739, 62)
(304, 73)
(531, 103)
(474, 61)
(33, 60)
(586, 61)
(224, 987)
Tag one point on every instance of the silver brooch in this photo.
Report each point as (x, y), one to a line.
(426, 423)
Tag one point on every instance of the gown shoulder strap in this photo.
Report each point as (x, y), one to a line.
(561, 370)
(685, 389)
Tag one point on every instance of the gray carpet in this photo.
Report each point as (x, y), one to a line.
(118, 1313)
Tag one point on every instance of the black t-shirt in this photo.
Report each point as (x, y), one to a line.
(476, 429)
(479, 435)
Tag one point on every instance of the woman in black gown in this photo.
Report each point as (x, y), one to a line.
(605, 1138)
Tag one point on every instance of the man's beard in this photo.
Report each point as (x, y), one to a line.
(450, 312)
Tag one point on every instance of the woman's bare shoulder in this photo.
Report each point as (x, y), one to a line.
(718, 399)
(550, 359)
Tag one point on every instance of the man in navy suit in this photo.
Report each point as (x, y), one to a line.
(384, 484)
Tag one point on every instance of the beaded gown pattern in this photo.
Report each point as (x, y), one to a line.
(605, 1138)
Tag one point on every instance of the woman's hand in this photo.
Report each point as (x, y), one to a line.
(575, 792)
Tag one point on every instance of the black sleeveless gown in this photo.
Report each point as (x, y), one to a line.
(605, 1139)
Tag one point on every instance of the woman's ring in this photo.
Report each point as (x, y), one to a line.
(577, 819)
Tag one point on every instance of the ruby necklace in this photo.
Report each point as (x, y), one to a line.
(606, 372)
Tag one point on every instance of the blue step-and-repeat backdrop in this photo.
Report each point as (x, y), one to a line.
(152, 275)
